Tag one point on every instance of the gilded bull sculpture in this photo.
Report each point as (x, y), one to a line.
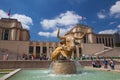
(67, 46)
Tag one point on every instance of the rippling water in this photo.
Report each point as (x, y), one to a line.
(44, 74)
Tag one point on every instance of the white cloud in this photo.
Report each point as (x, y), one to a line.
(68, 20)
(115, 9)
(54, 33)
(25, 20)
(64, 19)
(46, 24)
(111, 23)
(101, 14)
(3, 14)
(118, 26)
(110, 31)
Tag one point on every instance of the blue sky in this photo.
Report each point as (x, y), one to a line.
(44, 17)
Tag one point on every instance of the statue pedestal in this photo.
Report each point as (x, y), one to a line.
(64, 67)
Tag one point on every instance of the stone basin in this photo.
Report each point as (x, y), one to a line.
(64, 67)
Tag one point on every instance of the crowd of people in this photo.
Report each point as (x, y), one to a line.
(32, 57)
(106, 62)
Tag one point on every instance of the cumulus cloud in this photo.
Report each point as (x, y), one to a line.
(115, 9)
(111, 23)
(110, 31)
(3, 14)
(54, 33)
(118, 26)
(68, 20)
(101, 14)
(25, 20)
(64, 19)
(46, 24)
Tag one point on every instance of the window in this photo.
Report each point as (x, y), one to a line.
(97, 40)
(5, 34)
(37, 49)
(100, 40)
(103, 40)
(112, 43)
(44, 49)
(84, 39)
(109, 42)
(106, 41)
(31, 49)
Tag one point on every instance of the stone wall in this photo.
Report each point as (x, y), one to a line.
(24, 64)
(20, 47)
(36, 64)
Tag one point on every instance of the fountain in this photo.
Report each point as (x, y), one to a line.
(62, 55)
(66, 68)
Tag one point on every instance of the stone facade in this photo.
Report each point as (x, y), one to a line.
(14, 39)
(11, 29)
(109, 40)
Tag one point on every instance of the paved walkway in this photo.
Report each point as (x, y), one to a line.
(117, 68)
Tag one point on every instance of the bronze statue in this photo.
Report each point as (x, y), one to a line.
(67, 46)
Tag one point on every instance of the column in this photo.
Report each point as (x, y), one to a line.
(13, 34)
(18, 34)
(34, 50)
(107, 41)
(0, 34)
(90, 38)
(77, 51)
(41, 49)
(90, 35)
(48, 53)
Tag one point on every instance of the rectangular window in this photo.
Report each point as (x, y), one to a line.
(31, 49)
(37, 49)
(106, 42)
(97, 40)
(5, 34)
(100, 40)
(103, 40)
(84, 39)
(44, 49)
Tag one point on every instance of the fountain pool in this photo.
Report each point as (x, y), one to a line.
(45, 74)
(2, 74)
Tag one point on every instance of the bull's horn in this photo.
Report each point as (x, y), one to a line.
(81, 37)
(58, 35)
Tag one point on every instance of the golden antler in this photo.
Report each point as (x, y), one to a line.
(58, 35)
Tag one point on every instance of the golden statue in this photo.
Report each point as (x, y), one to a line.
(67, 46)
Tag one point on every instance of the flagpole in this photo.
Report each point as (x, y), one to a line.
(82, 20)
(9, 13)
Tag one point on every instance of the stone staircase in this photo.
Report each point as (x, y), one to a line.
(111, 52)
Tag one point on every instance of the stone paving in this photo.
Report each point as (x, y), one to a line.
(10, 74)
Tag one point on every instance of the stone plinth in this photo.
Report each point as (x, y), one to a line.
(64, 67)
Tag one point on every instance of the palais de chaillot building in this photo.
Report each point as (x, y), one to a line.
(15, 40)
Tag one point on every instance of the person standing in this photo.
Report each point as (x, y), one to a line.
(112, 64)
(105, 62)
